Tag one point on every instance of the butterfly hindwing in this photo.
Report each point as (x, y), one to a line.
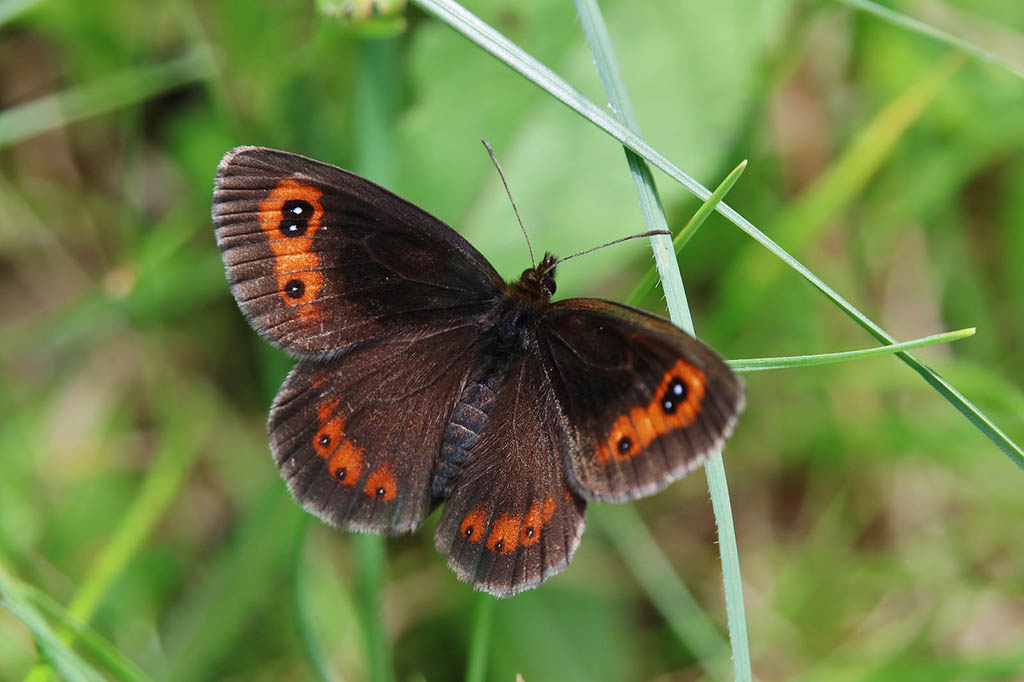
(319, 258)
(357, 437)
(645, 402)
(512, 520)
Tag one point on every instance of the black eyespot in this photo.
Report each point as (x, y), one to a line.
(295, 288)
(499, 545)
(325, 440)
(625, 444)
(381, 491)
(341, 473)
(674, 394)
(530, 532)
(295, 215)
(469, 532)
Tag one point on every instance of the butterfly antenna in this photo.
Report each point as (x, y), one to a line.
(501, 175)
(614, 241)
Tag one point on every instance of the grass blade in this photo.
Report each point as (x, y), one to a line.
(668, 268)
(493, 42)
(918, 26)
(114, 92)
(10, 9)
(99, 648)
(761, 364)
(58, 653)
(650, 279)
(652, 570)
(483, 625)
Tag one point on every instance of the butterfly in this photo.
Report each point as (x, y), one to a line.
(424, 378)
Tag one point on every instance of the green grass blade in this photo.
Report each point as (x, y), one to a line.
(114, 92)
(184, 429)
(625, 528)
(918, 26)
(10, 9)
(668, 268)
(59, 653)
(483, 625)
(243, 578)
(650, 279)
(761, 364)
(807, 217)
(99, 648)
(493, 42)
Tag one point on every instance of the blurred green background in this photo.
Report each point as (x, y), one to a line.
(880, 534)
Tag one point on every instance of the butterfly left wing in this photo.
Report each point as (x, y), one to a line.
(320, 259)
(357, 437)
(511, 520)
(644, 402)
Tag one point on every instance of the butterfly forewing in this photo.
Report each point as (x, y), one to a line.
(645, 403)
(319, 258)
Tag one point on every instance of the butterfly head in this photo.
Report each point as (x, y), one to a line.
(537, 284)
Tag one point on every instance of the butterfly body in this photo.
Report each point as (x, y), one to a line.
(424, 378)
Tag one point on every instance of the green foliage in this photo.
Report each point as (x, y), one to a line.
(143, 528)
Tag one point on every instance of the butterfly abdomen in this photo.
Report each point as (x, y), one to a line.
(467, 422)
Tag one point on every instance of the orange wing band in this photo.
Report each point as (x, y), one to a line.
(676, 404)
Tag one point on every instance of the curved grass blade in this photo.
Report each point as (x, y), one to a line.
(762, 364)
(99, 648)
(496, 44)
(11, 9)
(652, 570)
(58, 653)
(918, 26)
(650, 279)
(480, 640)
(668, 268)
(122, 89)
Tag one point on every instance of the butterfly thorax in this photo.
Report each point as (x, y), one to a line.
(536, 285)
(513, 333)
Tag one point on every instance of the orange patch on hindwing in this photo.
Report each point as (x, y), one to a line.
(472, 528)
(535, 519)
(504, 534)
(381, 484)
(675, 405)
(344, 458)
(290, 216)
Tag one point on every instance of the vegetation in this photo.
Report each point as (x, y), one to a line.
(144, 531)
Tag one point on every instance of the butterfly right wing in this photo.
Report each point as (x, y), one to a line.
(644, 402)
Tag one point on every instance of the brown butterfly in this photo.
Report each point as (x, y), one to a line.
(423, 377)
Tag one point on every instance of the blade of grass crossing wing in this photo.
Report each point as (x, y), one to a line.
(650, 279)
(668, 267)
